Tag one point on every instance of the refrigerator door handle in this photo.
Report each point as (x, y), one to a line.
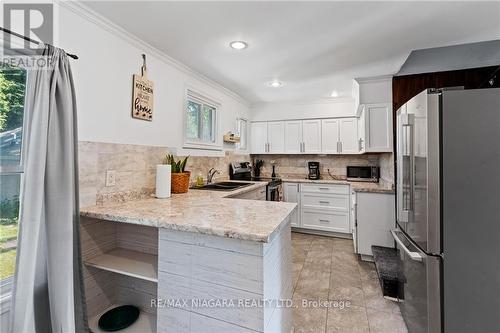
(408, 123)
(415, 256)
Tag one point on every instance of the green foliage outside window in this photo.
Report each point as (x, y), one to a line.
(12, 88)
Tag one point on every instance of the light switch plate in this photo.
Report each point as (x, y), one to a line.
(110, 178)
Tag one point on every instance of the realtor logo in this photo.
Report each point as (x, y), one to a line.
(33, 20)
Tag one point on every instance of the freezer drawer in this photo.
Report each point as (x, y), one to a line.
(419, 277)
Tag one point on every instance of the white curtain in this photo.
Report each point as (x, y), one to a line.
(48, 291)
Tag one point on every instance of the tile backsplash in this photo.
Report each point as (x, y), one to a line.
(296, 165)
(135, 168)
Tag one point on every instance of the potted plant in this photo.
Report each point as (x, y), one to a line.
(180, 177)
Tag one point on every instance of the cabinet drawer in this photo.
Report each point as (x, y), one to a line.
(334, 201)
(258, 194)
(326, 220)
(325, 188)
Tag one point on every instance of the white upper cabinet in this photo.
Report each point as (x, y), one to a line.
(311, 136)
(303, 136)
(330, 136)
(258, 137)
(378, 127)
(348, 137)
(340, 136)
(293, 137)
(361, 130)
(375, 99)
(276, 137)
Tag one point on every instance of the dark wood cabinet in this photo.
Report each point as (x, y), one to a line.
(407, 86)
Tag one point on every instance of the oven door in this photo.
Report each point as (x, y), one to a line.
(419, 278)
(273, 193)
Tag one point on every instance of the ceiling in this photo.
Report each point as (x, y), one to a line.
(314, 48)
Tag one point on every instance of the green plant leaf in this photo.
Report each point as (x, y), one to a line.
(183, 164)
(177, 166)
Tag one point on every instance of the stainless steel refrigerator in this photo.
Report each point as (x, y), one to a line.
(448, 210)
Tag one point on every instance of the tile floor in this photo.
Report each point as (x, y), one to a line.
(326, 268)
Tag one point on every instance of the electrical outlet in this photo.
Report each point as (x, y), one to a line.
(110, 178)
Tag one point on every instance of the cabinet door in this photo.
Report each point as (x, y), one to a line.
(258, 137)
(276, 137)
(375, 219)
(378, 122)
(311, 136)
(291, 194)
(293, 137)
(361, 130)
(330, 136)
(349, 136)
(352, 221)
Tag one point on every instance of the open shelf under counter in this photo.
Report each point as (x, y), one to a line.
(145, 323)
(127, 262)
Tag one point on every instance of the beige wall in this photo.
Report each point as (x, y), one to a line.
(135, 167)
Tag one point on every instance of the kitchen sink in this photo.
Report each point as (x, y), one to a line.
(223, 186)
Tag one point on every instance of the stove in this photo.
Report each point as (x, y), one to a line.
(243, 171)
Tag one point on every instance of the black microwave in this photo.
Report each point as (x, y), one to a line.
(363, 173)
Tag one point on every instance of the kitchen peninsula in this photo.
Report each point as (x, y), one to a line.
(194, 262)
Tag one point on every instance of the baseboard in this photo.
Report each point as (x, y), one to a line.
(322, 233)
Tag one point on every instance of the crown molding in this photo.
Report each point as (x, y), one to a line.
(319, 101)
(92, 16)
(379, 78)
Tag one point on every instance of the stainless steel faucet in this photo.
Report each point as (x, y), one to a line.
(211, 174)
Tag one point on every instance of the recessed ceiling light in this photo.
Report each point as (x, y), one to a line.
(334, 93)
(275, 84)
(238, 45)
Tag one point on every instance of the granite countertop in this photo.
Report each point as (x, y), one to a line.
(202, 211)
(356, 186)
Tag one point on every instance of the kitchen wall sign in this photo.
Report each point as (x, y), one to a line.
(142, 95)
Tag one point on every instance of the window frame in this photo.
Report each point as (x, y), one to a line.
(7, 283)
(239, 122)
(203, 100)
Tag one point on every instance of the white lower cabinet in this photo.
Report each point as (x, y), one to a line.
(324, 207)
(291, 194)
(352, 224)
(368, 216)
(327, 220)
(321, 201)
(375, 217)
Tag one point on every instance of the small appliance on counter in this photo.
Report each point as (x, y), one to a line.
(243, 171)
(313, 170)
(256, 167)
(363, 173)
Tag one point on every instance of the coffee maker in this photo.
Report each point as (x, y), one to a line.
(313, 170)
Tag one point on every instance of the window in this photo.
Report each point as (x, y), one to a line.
(241, 127)
(12, 93)
(201, 121)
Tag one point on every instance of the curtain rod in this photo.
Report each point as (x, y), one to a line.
(31, 40)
